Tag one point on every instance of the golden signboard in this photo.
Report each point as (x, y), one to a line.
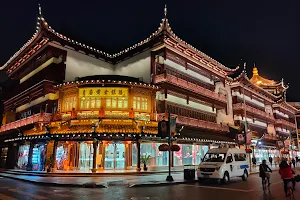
(103, 92)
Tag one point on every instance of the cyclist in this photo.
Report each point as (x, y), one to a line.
(263, 172)
(286, 172)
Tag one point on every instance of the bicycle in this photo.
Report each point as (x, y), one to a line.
(290, 191)
(265, 184)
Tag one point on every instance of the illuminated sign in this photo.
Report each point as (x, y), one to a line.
(103, 92)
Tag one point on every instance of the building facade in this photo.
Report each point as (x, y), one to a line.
(75, 107)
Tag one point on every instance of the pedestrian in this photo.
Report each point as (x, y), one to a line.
(294, 162)
(271, 161)
(297, 160)
(264, 170)
(254, 161)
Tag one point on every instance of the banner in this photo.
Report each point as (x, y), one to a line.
(103, 92)
(172, 126)
(248, 137)
(240, 139)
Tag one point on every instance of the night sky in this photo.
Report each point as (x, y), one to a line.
(262, 32)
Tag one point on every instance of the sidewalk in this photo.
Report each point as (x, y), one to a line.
(106, 180)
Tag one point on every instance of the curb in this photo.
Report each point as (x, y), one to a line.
(53, 174)
(161, 184)
(86, 185)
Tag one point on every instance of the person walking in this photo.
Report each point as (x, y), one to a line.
(297, 160)
(294, 162)
(271, 161)
(254, 161)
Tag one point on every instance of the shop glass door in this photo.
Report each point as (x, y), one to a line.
(115, 156)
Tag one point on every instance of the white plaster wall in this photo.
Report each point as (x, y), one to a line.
(80, 65)
(250, 121)
(181, 101)
(281, 114)
(222, 117)
(189, 72)
(248, 99)
(138, 66)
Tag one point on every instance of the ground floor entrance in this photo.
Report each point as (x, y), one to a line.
(114, 156)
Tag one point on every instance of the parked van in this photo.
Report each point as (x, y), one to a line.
(223, 164)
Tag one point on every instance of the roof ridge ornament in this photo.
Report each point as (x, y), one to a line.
(165, 12)
(40, 9)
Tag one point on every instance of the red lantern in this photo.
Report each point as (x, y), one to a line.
(175, 147)
(248, 150)
(163, 147)
(285, 152)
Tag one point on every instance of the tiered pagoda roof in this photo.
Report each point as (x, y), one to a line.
(275, 87)
(164, 35)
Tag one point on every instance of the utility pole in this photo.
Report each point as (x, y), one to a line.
(169, 177)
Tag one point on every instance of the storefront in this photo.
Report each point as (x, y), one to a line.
(38, 157)
(3, 156)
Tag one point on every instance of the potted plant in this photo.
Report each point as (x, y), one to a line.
(145, 159)
(48, 165)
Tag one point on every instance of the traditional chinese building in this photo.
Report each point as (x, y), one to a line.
(77, 107)
(262, 103)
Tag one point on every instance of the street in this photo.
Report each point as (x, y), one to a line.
(237, 189)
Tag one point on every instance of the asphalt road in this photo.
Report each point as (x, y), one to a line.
(237, 189)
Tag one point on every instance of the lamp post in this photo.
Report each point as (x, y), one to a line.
(169, 177)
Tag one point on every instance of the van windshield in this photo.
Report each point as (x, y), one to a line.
(214, 157)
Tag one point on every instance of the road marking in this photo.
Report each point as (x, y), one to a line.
(220, 188)
(35, 196)
(4, 197)
(54, 192)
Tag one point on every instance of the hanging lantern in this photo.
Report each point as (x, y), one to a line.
(175, 147)
(248, 150)
(163, 147)
(285, 152)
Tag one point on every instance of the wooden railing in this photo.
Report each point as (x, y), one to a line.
(241, 106)
(285, 123)
(271, 137)
(197, 123)
(185, 111)
(189, 86)
(40, 117)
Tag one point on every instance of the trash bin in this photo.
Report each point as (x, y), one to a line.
(189, 172)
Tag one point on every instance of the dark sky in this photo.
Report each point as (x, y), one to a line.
(263, 32)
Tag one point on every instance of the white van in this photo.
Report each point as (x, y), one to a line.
(223, 164)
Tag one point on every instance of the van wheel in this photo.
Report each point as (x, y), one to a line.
(226, 178)
(245, 175)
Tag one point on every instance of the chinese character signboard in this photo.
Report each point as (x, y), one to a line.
(103, 92)
(172, 126)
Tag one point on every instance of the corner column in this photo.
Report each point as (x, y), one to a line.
(138, 145)
(29, 164)
(53, 158)
(95, 147)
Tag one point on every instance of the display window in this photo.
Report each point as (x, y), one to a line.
(140, 103)
(38, 157)
(3, 156)
(189, 154)
(23, 156)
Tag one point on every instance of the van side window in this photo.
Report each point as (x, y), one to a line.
(229, 158)
(240, 157)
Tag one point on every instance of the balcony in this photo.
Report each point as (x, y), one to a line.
(255, 111)
(38, 90)
(40, 117)
(283, 122)
(283, 131)
(271, 137)
(189, 86)
(185, 111)
(198, 123)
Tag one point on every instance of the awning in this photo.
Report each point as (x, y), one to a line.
(196, 135)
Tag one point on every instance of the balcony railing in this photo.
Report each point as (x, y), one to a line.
(185, 111)
(285, 123)
(40, 117)
(283, 131)
(241, 106)
(198, 123)
(189, 86)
